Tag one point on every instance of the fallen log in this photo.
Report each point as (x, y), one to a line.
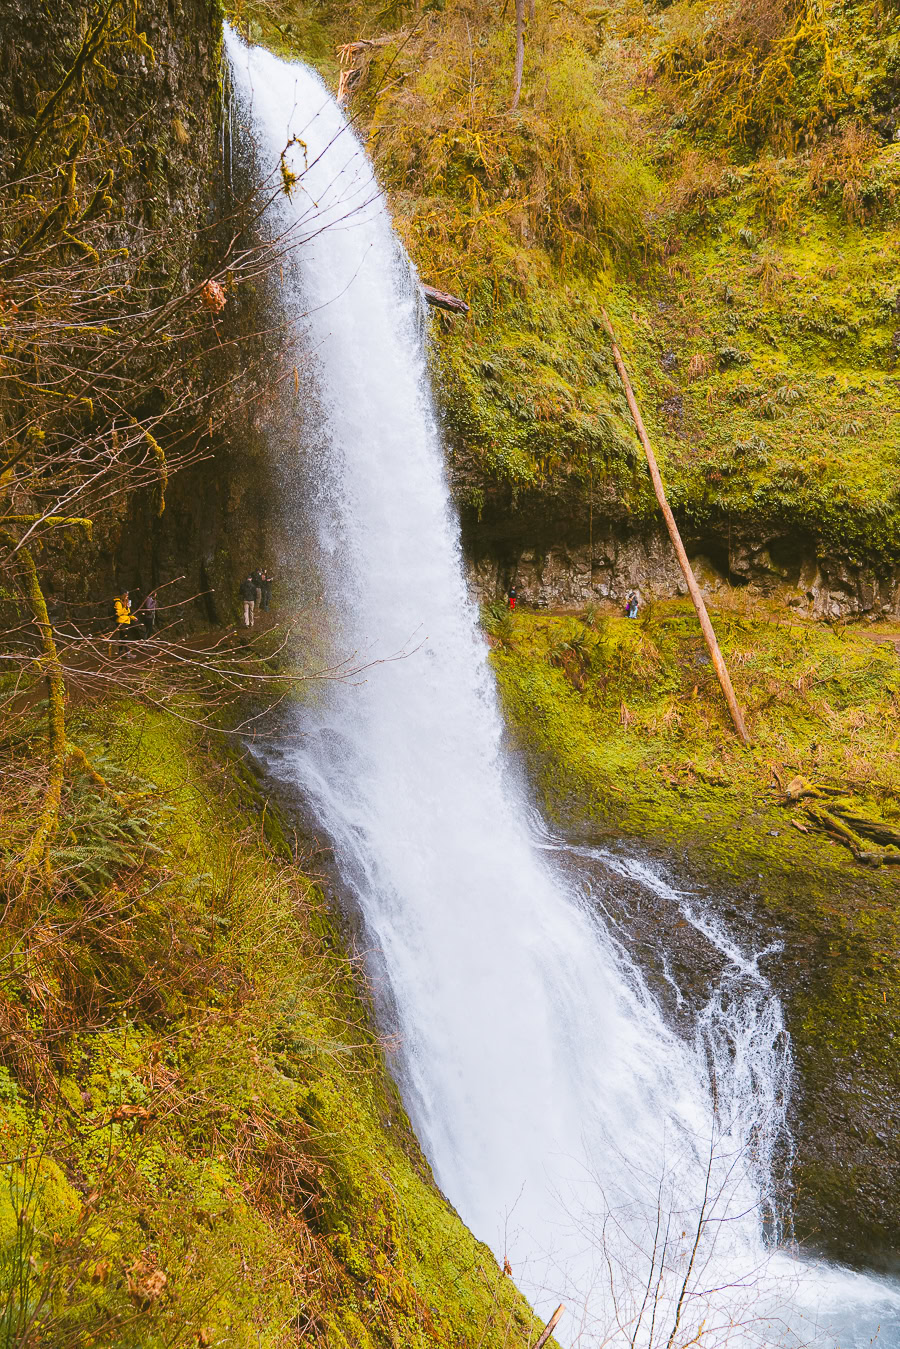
(879, 857)
(840, 829)
(441, 300)
(830, 824)
(877, 830)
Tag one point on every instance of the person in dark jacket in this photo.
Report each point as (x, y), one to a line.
(511, 597)
(267, 579)
(148, 612)
(248, 595)
(257, 584)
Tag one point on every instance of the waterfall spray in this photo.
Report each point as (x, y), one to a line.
(618, 1166)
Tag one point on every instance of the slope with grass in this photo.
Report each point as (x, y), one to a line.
(200, 1143)
(627, 733)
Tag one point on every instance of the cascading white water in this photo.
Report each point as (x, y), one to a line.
(563, 1118)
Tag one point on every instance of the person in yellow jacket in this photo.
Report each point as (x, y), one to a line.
(124, 616)
(127, 626)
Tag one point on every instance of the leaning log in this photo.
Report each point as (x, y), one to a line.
(441, 300)
(693, 589)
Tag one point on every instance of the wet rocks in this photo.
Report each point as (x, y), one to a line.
(617, 562)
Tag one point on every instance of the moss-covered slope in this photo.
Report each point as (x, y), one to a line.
(628, 735)
(200, 1143)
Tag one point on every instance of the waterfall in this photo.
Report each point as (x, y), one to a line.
(619, 1166)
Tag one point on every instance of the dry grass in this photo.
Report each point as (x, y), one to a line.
(561, 173)
(843, 164)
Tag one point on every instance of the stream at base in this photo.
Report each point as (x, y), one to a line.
(624, 1166)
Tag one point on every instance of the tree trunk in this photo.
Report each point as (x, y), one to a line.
(713, 646)
(520, 53)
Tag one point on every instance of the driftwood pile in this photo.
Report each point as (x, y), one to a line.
(829, 810)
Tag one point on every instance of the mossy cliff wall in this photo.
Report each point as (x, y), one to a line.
(156, 110)
(748, 263)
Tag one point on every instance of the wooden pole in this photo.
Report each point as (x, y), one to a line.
(718, 663)
(550, 1326)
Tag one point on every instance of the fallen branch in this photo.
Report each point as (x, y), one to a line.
(830, 824)
(709, 635)
(441, 300)
(877, 830)
(879, 857)
(843, 833)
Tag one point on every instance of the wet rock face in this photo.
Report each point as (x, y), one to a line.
(175, 77)
(619, 562)
(161, 111)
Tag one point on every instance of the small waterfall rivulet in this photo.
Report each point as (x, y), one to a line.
(619, 1165)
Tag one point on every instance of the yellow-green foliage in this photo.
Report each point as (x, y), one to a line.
(201, 1142)
(778, 70)
(630, 711)
(723, 179)
(560, 174)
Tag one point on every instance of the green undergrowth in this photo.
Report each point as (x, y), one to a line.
(629, 741)
(200, 1143)
(628, 725)
(632, 716)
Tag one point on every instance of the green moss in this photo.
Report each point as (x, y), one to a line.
(217, 1147)
(748, 261)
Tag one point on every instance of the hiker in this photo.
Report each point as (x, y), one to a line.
(631, 606)
(128, 629)
(511, 597)
(148, 609)
(248, 595)
(256, 578)
(267, 579)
